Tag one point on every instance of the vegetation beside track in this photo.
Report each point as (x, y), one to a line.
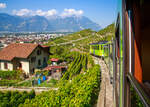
(14, 98)
(79, 86)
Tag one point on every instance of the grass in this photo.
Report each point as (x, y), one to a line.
(26, 84)
(51, 83)
(6, 82)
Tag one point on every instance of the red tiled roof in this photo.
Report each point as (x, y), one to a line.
(19, 50)
(54, 59)
(53, 67)
(44, 46)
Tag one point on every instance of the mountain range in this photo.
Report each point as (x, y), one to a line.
(12, 23)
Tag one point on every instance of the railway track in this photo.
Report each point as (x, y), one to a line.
(105, 98)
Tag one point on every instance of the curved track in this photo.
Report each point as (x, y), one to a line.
(105, 98)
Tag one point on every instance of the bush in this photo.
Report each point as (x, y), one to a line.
(10, 74)
(14, 98)
(8, 82)
(135, 99)
(53, 81)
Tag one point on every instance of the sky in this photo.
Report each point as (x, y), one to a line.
(102, 12)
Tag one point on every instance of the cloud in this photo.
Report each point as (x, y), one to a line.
(27, 12)
(51, 12)
(48, 13)
(71, 12)
(2, 5)
(23, 12)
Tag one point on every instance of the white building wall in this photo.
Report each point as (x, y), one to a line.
(9, 65)
(24, 62)
(25, 66)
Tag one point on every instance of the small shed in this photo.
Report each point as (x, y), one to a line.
(54, 61)
(56, 71)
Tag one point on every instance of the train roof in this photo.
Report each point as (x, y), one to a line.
(103, 42)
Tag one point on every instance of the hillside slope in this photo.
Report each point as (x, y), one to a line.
(81, 40)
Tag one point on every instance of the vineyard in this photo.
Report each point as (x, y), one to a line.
(79, 63)
(9, 75)
(13, 99)
(78, 87)
(81, 40)
(10, 78)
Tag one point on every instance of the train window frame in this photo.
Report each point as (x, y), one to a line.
(117, 62)
(135, 30)
(130, 42)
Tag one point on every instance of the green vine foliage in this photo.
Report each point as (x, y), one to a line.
(10, 74)
(14, 99)
(76, 88)
(135, 99)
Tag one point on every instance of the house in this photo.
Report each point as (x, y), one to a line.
(24, 56)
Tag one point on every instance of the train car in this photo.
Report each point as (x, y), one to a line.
(99, 49)
(132, 54)
(104, 50)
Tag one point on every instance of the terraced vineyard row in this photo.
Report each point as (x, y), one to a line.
(79, 86)
(79, 63)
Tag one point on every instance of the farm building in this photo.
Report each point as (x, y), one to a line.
(24, 56)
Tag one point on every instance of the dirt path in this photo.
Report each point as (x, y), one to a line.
(71, 41)
(30, 78)
(105, 98)
(36, 89)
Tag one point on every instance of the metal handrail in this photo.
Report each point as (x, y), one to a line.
(142, 94)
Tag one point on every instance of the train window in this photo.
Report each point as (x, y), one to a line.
(105, 48)
(93, 47)
(141, 21)
(145, 42)
(96, 47)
